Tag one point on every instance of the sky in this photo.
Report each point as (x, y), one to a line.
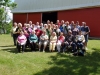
(12, 0)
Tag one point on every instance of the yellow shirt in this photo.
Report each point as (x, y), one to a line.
(53, 39)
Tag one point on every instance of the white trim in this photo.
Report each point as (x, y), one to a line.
(38, 7)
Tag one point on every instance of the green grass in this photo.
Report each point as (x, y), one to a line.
(39, 63)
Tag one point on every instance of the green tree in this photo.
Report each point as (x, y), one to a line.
(3, 13)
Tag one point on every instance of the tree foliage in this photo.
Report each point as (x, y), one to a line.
(3, 14)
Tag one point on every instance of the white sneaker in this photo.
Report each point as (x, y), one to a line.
(39, 50)
(86, 48)
(43, 51)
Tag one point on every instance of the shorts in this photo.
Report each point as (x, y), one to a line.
(86, 38)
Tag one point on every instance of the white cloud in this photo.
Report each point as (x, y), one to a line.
(9, 15)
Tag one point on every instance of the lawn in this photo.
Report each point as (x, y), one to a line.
(39, 63)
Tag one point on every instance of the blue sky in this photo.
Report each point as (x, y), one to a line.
(12, 0)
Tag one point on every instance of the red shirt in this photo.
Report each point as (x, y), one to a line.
(38, 32)
(61, 38)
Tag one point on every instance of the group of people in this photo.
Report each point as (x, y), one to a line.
(60, 36)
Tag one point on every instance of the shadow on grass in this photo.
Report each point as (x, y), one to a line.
(63, 64)
(8, 46)
(95, 49)
(12, 50)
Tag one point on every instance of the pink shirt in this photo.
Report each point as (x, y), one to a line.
(30, 30)
(22, 39)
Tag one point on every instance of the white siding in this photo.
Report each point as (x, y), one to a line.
(51, 5)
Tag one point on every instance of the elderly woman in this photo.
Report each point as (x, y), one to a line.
(43, 40)
(21, 41)
(19, 28)
(41, 26)
(13, 33)
(53, 40)
(60, 41)
(25, 26)
(37, 25)
(45, 27)
(80, 41)
(33, 39)
(32, 27)
(28, 29)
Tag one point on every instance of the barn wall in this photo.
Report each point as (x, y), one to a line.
(90, 15)
(19, 18)
(26, 17)
(35, 17)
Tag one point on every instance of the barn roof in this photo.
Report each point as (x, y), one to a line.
(25, 6)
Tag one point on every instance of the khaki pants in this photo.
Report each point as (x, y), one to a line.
(52, 46)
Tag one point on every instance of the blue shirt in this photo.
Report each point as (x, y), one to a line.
(61, 28)
(33, 38)
(85, 29)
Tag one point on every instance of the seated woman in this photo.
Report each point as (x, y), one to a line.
(53, 40)
(60, 41)
(33, 39)
(80, 42)
(43, 40)
(21, 41)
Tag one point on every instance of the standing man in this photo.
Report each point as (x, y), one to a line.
(72, 24)
(85, 31)
(77, 25)
(67, 27)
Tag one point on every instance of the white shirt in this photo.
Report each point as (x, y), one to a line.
(14, 29)
(81, 38)
(58, 30)
(35, 27)
(43, 37)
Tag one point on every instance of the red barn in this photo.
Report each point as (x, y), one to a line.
(68, 10)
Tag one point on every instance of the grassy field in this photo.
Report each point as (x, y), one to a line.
(39, 63)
